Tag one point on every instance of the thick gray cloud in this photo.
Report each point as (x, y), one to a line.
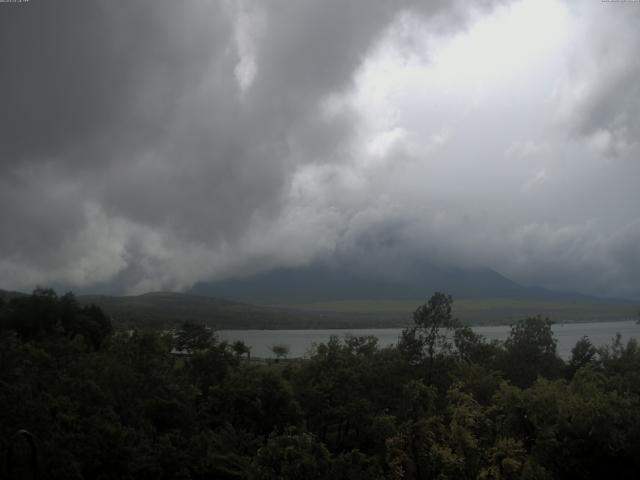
(601, 95)
(152, 144)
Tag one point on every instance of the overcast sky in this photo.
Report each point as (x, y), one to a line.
(150, 144)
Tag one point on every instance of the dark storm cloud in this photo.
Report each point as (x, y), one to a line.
(81, 72)
(602, 91)
(87, 88)
(151, 144)
(130, 145)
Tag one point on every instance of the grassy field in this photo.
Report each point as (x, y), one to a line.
(166, 309)
(482, 311)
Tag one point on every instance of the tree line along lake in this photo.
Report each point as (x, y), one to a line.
(301, 341)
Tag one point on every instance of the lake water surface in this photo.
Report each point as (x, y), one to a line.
(301, 341)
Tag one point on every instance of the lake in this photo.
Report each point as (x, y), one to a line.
(300, 341)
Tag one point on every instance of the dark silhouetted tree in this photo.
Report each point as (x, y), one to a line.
(280, 350)
(530, 351)
(430, 334)
(191, 337)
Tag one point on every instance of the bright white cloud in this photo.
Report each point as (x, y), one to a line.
(248, 135)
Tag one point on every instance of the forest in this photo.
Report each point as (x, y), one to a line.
(444, 403)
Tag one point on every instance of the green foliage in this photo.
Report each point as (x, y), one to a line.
(192, 337)
(280, 350)
(291, 456)
(44, 314)
(584, 353)
(530, 351)
(429, 337)
(240, 348)
(444, 404)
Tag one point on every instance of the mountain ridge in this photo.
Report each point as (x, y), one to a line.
(167, 309)
(320, 283)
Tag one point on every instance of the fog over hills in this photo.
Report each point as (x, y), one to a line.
(332, 281)
(153, 145)
(327, 297)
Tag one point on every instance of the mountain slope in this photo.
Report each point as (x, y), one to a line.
(164, 309)
(8, 294)
(321, 283)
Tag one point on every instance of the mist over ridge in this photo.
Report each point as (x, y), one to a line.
(156, 145)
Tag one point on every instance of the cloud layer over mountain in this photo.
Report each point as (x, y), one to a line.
(151, 144)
